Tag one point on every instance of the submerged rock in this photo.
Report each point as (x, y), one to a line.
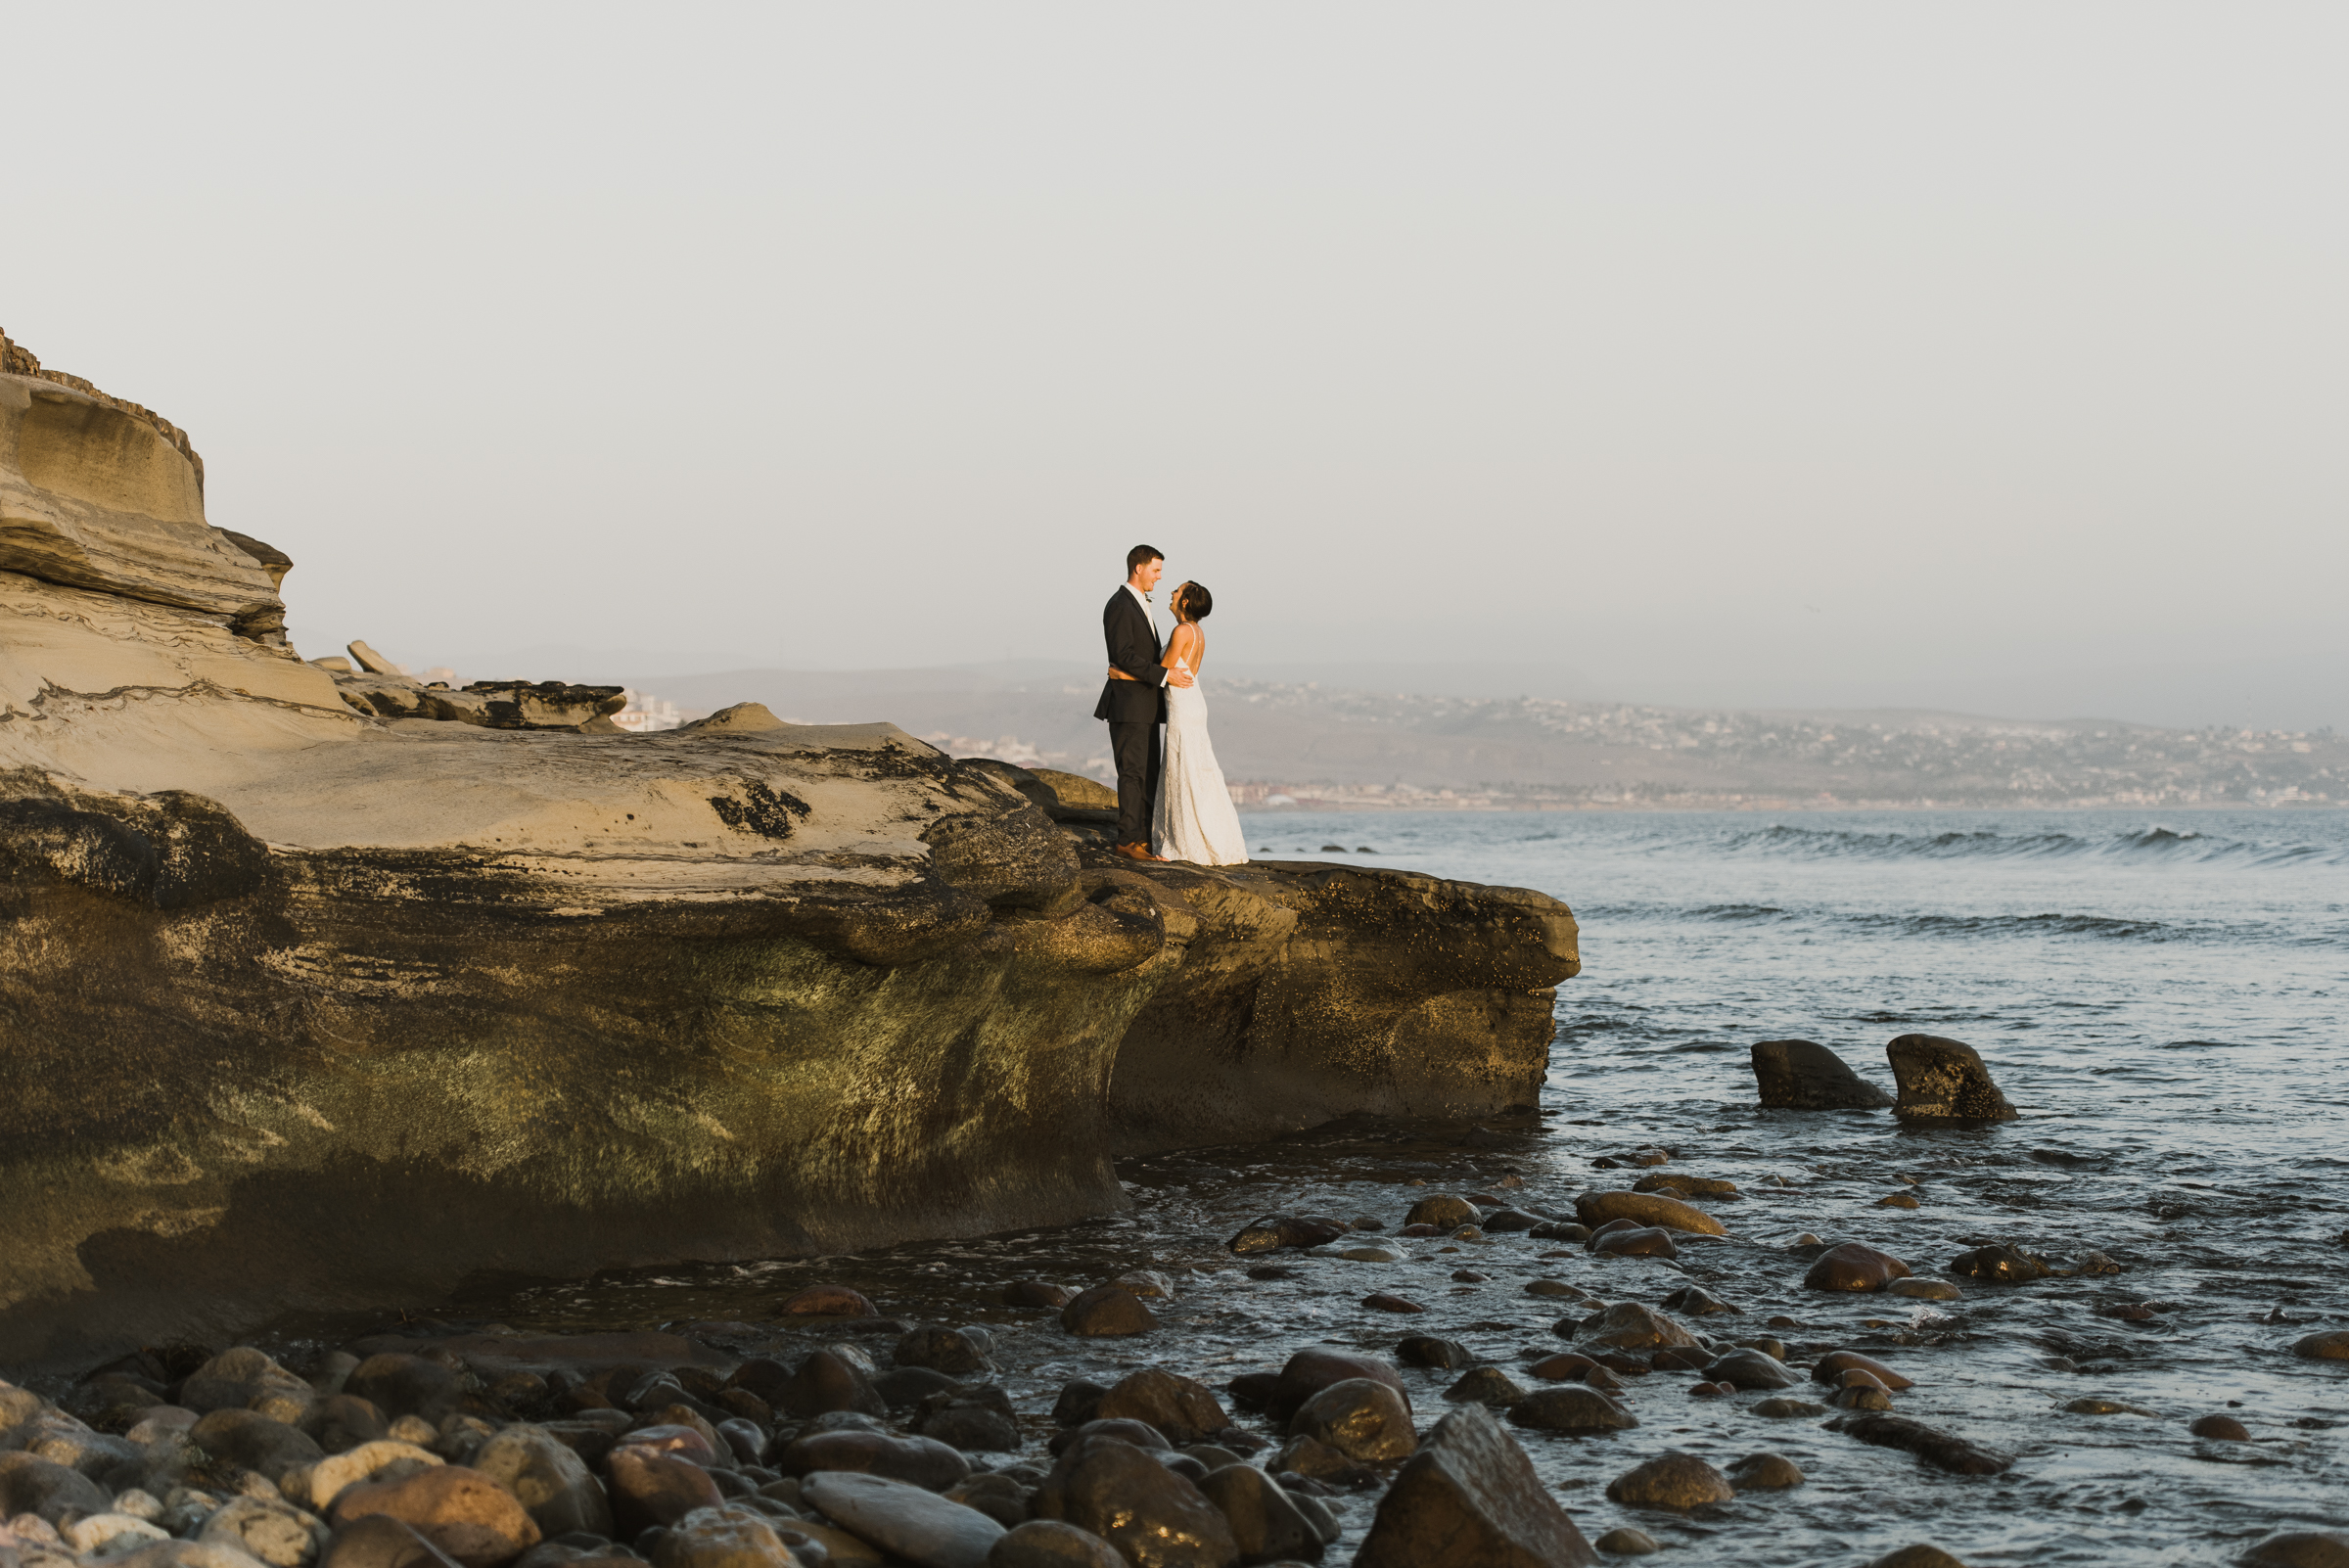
(1944, 1450)
(1944, 1079)
(1800, 1075)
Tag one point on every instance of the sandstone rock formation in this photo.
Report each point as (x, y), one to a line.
(304, 1005)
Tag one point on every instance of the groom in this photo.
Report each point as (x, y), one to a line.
(1134, 698)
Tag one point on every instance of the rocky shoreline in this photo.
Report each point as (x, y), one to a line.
(324, 987)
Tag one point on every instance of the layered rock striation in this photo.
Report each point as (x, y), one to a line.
(302, 1005)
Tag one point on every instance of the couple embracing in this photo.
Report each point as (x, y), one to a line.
(1171, 806)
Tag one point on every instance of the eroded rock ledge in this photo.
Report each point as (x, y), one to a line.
(301, 1007)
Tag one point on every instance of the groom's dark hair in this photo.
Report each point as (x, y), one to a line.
(1140, 553)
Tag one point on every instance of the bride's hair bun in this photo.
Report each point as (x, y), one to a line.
(1197, 601)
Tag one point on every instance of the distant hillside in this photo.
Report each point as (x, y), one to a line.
(1324, 745)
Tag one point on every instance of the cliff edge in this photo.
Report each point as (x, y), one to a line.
(305, 1006)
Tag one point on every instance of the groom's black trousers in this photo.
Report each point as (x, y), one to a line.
(1137, 752)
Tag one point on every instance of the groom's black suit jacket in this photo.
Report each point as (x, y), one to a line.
(1134, 648)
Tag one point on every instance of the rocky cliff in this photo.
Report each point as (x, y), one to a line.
(301, 1005)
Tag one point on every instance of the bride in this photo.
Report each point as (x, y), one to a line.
(1192, 818)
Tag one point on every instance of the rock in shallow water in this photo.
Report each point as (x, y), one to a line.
(2299, 1548)
(1571, 1409)
(1944, 1450)
(1625, 1541)
(1765, 1472)
(1831, 1367)
(1644, 1208)
(1107, 1312)
(2003, 1264)
(1916, 1556)
(1148, 1512)
(1752, 1368)
(1469, 1499)
(1635, 1241)
(1628, 1325)
(1181, 1409)
(1360, 1417)
(1488, 1386)
(1671, 1479)
(2326, 1347)
(1423, 1350)
(1944, 1079)
(2221, 1428)
(1266, 1521)
(1445, 1212)
(1853, 1267)
(1310, 1371)
(1800, 1075)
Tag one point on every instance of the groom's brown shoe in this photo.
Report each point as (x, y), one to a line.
(1135, 851)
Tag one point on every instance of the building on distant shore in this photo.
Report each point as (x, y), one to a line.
(645, 713)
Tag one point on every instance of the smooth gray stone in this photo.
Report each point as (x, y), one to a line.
(919, 1526)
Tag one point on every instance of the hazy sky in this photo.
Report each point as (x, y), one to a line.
(1990, 356)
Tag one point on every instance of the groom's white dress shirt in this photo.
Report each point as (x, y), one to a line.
(1140, 599)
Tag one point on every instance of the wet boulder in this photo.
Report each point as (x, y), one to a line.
(1752, 1368)
(2000, 1264)
(940, 1349)
(1800, 1075)
(1572, 1408)
(1671, 1479)
(399, 1384)
(978, 1419)
(1266, 1523)
(1944, 1450)
(247, 1379)
(1628, 1327)
(1445, 1212)
(29, 1484)
(920, 1461)
(1765, 1472)
(461, 1512)
(1360, 1417)
(1148, 1512)
(1140, 1434)
(823, 1383)
(1469, 1499)
(904, 1521)
(1596, 1209)
(547, 1478)
(255, 1442)
(342, 1421)
(1853, 1267)
(1107, 1312)
(1310, 1371)
(1832, 1368)
(1053, 1543)
(1185, 1412)
(1635, 1241)
(649, 1488)
(1424, 1350)
(1944, 1080)
(1275, 1231)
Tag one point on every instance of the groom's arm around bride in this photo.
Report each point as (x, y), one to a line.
(1134, 698)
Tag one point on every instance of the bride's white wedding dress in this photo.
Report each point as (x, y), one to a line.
(1193, 819)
